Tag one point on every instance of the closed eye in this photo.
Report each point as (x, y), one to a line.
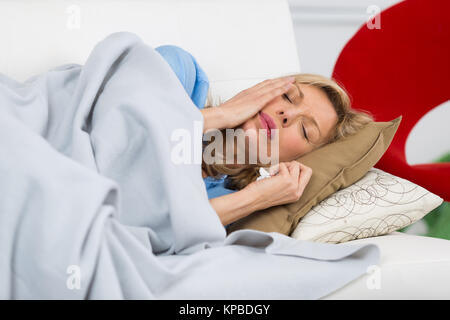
(286, 97)
(304, 132)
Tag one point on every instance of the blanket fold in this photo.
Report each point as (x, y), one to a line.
(92, 207)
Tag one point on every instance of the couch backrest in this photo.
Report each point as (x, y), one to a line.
(238, 43)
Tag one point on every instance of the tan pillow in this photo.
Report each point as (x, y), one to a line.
(335, 166)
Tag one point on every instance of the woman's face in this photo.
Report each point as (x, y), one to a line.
(305, 118)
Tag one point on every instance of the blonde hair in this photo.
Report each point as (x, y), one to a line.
(349, 122)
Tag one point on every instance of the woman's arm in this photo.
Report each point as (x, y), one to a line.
(286, 186)
(237, 205)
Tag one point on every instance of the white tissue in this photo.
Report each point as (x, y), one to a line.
(263, 173)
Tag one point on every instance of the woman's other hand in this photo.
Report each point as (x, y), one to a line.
(245, 104)
(249, 102)
(286, 186)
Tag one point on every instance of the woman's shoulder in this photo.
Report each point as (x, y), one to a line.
(188, 71)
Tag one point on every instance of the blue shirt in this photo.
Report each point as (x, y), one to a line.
(196, 83)
(216, 187)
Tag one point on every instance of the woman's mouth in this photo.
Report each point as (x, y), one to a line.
(267, 123)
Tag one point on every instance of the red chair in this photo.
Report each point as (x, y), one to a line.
(403, 68)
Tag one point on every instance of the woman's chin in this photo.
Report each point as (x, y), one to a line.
(251, 130)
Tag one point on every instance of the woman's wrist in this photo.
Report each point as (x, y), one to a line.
(259, 200)
(253, 200)
(213, 118)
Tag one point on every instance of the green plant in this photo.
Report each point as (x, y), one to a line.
(438, 220)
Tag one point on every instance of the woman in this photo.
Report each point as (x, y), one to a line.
(308, 110)
(305, 111)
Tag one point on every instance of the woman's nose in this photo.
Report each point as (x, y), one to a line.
(289, 115)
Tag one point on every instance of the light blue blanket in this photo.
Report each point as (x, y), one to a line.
(196, 83)
(93, 207)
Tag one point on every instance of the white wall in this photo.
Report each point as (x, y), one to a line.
(323, 27)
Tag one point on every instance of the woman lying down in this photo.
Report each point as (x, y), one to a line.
(281, 120)
(92, 208)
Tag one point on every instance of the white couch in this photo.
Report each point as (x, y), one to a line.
(238, 43)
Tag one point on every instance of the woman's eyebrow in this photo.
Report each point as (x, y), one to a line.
(300, 92)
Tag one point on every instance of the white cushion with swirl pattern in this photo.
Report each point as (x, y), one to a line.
(377, 204)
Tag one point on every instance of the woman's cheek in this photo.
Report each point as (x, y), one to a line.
(291, 147)
(251, 131)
